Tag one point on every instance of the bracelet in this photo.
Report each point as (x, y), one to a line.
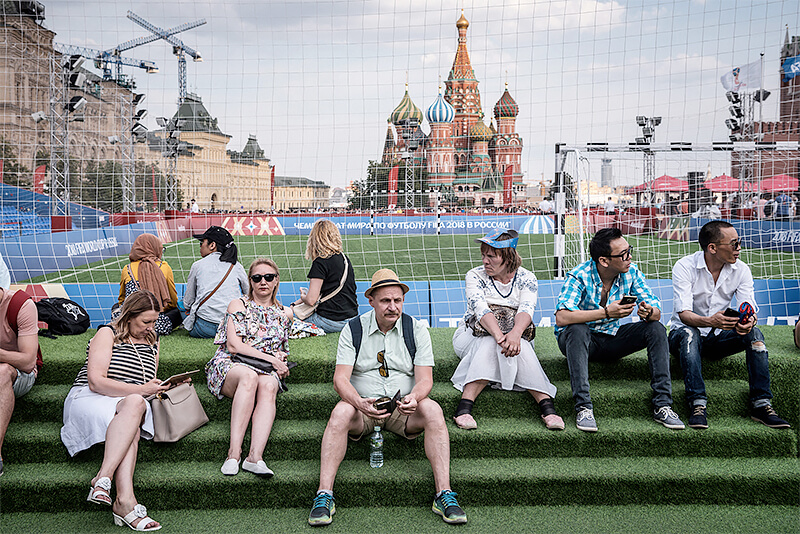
(605, 309)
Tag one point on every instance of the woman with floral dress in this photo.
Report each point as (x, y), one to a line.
(502, 358)
(255, 327)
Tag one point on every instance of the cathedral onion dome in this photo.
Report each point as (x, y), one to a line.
(462, 22)
(480, 132)
(406, 110)
(441, 110)
(506, 107)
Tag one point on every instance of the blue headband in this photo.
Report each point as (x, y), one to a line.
(491, 239)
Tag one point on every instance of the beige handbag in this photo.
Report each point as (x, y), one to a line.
(176, 413)
(303, 311)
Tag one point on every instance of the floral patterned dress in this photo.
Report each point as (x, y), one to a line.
(265, 328)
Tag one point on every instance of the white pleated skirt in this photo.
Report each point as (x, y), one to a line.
(482, 359)
(86, 418)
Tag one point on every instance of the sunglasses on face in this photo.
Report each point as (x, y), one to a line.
(735, 244)
(383, 369)
(269, 277)
(624, 255)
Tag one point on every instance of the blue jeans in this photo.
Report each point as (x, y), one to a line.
(203, 328)
(326, 324)
(580, 345)
(686, 343)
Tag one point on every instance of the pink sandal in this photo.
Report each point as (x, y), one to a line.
(99, 493)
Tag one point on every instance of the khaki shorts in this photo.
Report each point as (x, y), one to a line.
(396, 423)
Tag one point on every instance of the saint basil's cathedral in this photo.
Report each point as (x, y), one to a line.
(479, 164)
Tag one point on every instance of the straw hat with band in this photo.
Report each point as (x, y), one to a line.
(384, 278)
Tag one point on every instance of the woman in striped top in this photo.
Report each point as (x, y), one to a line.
(107, 404)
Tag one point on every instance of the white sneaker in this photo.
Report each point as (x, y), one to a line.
(230, 467)
(257, 468)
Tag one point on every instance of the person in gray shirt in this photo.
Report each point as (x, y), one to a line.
(214, 281)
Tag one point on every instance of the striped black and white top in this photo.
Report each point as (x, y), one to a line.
(132, 364)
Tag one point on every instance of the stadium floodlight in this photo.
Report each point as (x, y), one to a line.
(139, 115)
(733, 124)
(761, 95)
(656, 121)
(75, 104)
(735, 137)
(733, 97)
(641, 141)
(161, 121)
(76, 80)
(137, 98)
(113, 139)
(72, 62)
(38, 116)
(641, 120)
(736, 111)
(138, 129)
(648, 131)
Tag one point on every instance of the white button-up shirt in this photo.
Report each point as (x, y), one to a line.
(694, 288)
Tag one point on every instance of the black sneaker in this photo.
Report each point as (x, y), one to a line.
(698, 418)
(766, 415)
(447, 506)
(322, 510)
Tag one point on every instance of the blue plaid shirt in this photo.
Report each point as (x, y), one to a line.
(583, 287)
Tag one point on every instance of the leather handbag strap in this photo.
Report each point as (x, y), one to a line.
(215, 289)
(341, 284)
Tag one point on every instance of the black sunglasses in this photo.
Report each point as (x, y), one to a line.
(383, 369)
(735, 244)
(269, 277)
(624, 255)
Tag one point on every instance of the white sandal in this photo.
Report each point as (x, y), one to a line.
(139, 511)
(100, 489)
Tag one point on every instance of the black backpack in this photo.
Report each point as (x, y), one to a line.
(63, 316)
(408, 334)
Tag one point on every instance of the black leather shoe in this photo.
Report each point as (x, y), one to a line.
(766, 415)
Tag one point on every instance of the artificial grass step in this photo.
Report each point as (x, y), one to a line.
(494, 438)
(315, 401)
(317, 356)
(647, 519)
(484, 482)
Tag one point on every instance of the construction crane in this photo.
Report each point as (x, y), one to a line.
(178, 47)
(104, 59)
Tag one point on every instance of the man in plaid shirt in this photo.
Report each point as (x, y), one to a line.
(588, 311)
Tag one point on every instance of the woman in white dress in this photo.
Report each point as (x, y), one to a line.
(504, 359)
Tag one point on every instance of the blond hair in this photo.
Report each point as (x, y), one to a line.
(324, 240)
(256, 263)
(135, 304)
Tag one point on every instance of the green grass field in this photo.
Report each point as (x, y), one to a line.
(422, 257)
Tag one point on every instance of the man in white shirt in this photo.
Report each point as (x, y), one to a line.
(609, 207)
(704, 285)
(195, 208)
(545, 206)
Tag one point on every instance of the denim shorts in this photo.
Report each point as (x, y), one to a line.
(24, 382)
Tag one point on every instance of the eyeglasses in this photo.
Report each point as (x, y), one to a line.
(735, 244)
(269, 277)
(383, 369)
(624, 255)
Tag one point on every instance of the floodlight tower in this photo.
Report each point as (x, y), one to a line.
(648, 125)
(178, 47)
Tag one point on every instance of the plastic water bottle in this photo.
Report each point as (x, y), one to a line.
(376, 448)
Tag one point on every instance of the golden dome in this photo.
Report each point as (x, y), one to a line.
(462, 22)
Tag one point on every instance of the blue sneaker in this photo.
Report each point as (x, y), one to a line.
(585, 420)
(447, 506)
(668, 418)
(322, 510)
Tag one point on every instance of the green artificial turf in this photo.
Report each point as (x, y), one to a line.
(419, 257)
(651, 519)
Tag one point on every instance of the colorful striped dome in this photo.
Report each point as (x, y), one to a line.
(506, 106)
(480, 132)
(405, 110)
(441, 110)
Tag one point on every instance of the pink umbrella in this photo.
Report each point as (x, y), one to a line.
(727, 184)
(663, 183)
(779, 182)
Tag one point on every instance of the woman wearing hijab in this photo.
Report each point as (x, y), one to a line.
(148, 271)
(214, 281)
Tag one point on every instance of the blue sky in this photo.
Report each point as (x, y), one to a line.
(316, 80)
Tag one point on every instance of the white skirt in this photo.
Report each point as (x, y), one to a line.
(482, 359)
(86, 418)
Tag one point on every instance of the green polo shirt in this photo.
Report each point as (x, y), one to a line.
(366, 378)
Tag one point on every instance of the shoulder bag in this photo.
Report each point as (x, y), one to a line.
(193, 314)
(176, 413)
(303, 311)
(505, 319)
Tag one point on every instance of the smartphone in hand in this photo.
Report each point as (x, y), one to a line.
(627, 300)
